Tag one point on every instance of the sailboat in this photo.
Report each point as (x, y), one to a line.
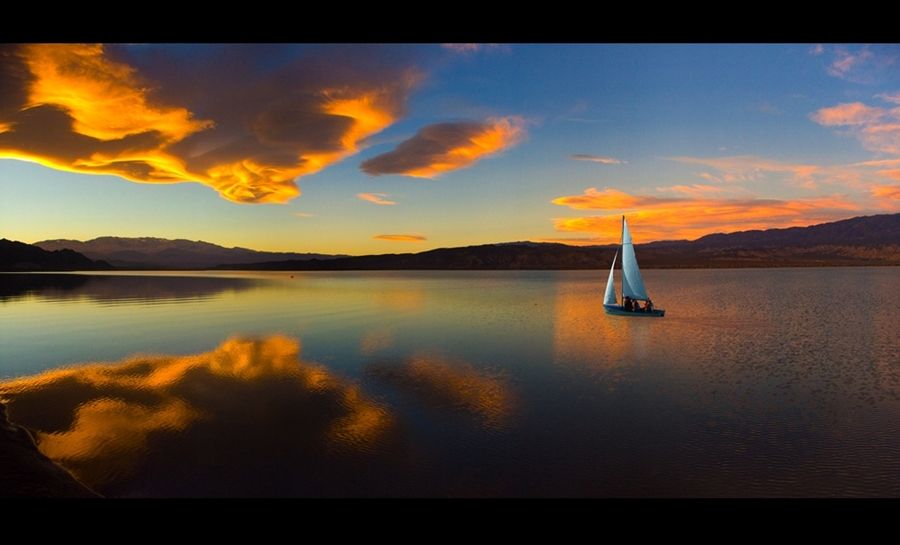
(632, 284)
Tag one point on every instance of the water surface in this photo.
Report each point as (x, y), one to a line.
(782, 382)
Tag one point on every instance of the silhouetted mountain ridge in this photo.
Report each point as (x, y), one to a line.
(866, 230)
(161, 253)
(866, 240)
(19, 256)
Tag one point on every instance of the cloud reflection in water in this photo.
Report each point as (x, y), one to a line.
(441, 382)
(250, 417)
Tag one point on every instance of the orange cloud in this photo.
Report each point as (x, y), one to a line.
(878, 129)
(596, 159)
(445, 147)
(86, 108)
(608, 199)
(888, 192)
(893, 174)
(377, 198)
(573, 241)
(854, 113)
(690, 218)
(104, 98)
(401, 238)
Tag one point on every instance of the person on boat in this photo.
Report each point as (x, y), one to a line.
(628, 304)
(649, 306)
(637, 307)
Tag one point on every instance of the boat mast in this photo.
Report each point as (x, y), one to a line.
(622, 264)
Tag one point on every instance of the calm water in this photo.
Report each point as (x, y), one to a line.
(781, 382)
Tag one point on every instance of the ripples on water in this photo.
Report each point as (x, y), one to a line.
(778, 382)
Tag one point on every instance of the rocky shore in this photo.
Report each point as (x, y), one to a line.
(26, 473)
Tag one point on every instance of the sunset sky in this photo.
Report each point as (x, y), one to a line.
(394, 148)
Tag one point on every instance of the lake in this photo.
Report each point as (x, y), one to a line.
(758, 382)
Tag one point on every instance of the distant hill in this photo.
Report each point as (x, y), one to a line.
(18, 256)
(161, 253)
(867, 240)
(865, 230)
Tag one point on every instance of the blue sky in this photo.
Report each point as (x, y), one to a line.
(696, 138)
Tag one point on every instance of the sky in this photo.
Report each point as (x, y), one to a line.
(389, 148)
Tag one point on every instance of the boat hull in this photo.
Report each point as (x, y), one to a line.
(619, 310)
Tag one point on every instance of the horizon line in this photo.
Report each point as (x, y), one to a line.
(525, 241)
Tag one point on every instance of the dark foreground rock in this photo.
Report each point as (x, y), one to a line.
(26, 473)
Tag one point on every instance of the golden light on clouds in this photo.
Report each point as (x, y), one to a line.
(445, 147)
(891, 192)
(400, 238)
(83, 111)
(608, 199)
(103, 97)
(653, 218)
(367, 113)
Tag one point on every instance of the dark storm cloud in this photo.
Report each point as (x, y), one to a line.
(244, 120)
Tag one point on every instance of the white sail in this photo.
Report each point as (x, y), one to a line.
(610, 297)
(632, 283)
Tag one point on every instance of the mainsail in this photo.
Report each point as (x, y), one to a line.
(610, 297)
(632, 283)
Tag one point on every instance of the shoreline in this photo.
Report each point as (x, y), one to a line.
(115, 272)
(27, 473)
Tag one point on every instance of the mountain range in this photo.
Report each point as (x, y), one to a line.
(18, 256)
(161, 253)
(865, 240)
